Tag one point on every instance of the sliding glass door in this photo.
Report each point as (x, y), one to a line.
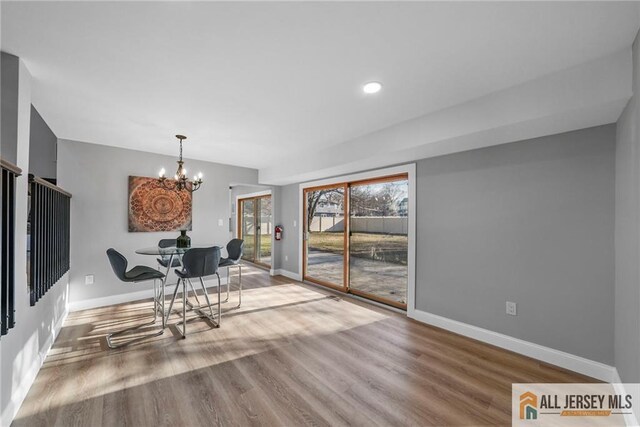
(324, 236)
(378, 240)
(255, 226)
(356, 238)
(264, 230)
(247, 230)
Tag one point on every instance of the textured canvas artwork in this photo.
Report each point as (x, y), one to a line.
(154, 208)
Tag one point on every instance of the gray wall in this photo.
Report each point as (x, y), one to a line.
(530, 222)
(9, 106)
(24, 348)
(97, 176)
(627, 294)
(288, 249)
(42, 147)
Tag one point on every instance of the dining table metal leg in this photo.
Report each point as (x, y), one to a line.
(239, 285)
(183, 332)
(173, 298)
(164, 321)
(219, 305)
(155, 301)
(206, 296)
(184, 310)
(163, 285)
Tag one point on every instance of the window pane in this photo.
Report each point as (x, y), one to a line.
(265, 228)
(248, 229)
(325, 235)
(378, 244)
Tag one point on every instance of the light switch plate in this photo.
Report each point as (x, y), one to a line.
(88, 279)
(220, 223)
(512, 308)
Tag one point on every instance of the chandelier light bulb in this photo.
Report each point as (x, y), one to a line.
(176, 177)
(200, 175)
(162, 172)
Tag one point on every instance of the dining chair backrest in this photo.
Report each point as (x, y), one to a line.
(118, 263)
(234, 249)
(167, 243)
(201, 262)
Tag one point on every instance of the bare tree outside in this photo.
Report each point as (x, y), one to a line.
(315, 198)
(383, 202)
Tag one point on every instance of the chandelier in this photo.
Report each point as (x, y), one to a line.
(180, 180)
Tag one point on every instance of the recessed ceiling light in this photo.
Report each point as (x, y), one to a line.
(372, 87)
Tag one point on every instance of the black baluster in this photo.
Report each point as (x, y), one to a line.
(11, 265)
(5, 252)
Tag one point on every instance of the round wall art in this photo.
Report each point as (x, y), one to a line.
(154, 208)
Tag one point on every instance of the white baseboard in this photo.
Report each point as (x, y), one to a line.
(287, 273)
(87, 304)
(559, 358)
(20, 393)
(129, 297)
(630, 420)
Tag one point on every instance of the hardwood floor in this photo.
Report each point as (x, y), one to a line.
(292, 354)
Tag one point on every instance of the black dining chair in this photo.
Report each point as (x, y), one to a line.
(235, 249)
(164, 260)
(139, 273)
(197, 263)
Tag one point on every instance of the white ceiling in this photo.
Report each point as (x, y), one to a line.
(258, 84)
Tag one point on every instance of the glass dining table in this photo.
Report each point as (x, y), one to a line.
(169, 254)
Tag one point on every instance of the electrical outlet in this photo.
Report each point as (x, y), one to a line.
(295, 223)
(512, 308)
(220, 223)
(88, 279)
(286, 257)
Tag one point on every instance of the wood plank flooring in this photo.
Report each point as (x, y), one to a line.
(292, 355)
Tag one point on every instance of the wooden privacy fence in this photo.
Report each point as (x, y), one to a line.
(49, 222)
(363, 224)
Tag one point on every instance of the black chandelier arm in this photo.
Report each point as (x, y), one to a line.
(181, 181)
(163, 182)
(180, 184)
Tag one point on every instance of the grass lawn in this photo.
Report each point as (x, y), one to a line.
(379, 247)
(265, 245)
